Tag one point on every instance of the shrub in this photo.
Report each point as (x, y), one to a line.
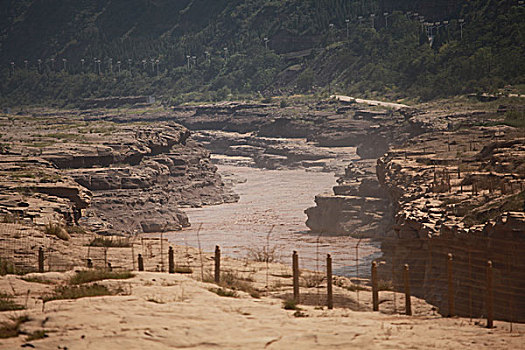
(264, 254)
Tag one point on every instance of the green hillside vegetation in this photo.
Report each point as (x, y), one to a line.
(207, 50)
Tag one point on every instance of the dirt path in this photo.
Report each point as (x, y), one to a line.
(369, 102)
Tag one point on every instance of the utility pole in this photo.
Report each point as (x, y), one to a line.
(188, 58)
(39, 65)
(360, 19)
(13, 67)
(53, 63)
(110, 65)
(82, 64)
(157, 63)
(372, 16)
(98, 63)
(461, 24)
(25, 63)
(386, 14)
(64, 60)
(347, 21)
(118, 66)
(226, 53)
(208, 56)
(129, 64)
(266, 43)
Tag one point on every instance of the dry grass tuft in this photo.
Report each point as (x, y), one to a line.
(58, 230)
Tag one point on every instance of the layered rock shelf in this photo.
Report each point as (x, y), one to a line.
(114, 178)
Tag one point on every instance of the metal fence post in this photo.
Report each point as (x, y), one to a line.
(450, 286)
(171, 261)
(406, 278)
(295, 269)
(140, 262)
(217, 264)
(329, 292)
(40, 259)
(375, 294)
(490, 296)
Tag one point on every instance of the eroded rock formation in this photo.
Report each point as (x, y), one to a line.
(120, 178)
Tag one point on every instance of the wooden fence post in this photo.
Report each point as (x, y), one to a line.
(329, 292)
(295, 269)
(140, 262)
(450, 286)
(490, 297)
(40, 259)
(406, 278)
(217, 264)
(89, 263)
(171, 260)
(375, 293)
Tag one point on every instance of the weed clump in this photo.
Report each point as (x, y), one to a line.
(11, 328)
(224, 292)
(87, 276)
(235, 282)
(110, 242)
(40, 334)
(77, 292)
(7, 303)
(56, 229)
(290, 304)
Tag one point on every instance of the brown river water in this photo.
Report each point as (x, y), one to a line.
(270, 215)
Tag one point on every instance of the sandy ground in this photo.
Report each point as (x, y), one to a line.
(162, 311)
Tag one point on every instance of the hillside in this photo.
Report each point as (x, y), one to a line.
(206, 50)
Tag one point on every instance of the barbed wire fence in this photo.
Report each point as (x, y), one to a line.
(457, 278)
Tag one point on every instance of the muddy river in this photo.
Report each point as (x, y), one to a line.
(270, 217)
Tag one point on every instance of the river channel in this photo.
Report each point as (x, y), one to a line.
(270, 215)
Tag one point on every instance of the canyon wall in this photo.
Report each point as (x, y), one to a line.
(462, 193)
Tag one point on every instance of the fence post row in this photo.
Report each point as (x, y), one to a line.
(140, 260)
(295, 271)
(40, 259)
(217, 264)
(375, 294)
(329, 292)
(171, 261)
(450, 286)
(406, 278)
(490, 296)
